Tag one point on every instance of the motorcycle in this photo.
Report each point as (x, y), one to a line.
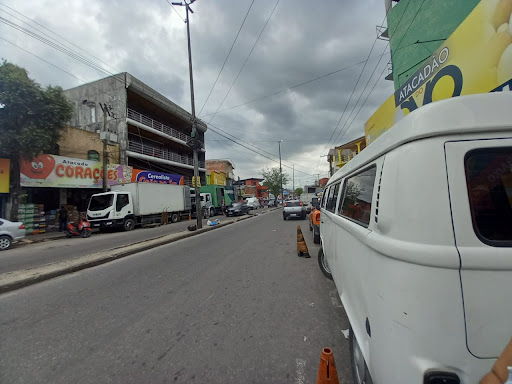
(83, 229)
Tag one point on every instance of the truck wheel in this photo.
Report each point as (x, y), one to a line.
(174, 218)
(360, 371)
(212, 211)
(322, 262)
(128, 225)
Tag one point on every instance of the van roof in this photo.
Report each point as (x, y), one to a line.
(488, 112)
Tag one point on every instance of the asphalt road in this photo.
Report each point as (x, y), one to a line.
(235, 305)
(33, 255)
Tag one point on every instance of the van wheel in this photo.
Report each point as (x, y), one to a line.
(360, 372)
(174, 218)
(128, 225)
(322, 262)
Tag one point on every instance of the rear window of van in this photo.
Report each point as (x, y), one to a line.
(489, 182)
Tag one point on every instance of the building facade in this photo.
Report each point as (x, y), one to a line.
(153, 133)
(220, 172)
(341, 155)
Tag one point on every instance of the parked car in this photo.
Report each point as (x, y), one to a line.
(253, 203)
(10, 232)
(294, 208)
(314, 224)
(237, 209)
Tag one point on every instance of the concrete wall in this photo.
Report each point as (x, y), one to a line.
(75, 142)
(410, 21)
(88, 114)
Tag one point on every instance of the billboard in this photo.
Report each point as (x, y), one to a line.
(5, 165)
(65, 172)
(141, 176)
(476, 58)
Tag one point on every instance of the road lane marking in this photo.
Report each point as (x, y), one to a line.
(301, 364)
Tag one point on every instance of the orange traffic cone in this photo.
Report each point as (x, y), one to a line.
(302, 248)
(327, 373)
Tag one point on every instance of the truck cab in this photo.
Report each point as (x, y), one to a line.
(111, 210)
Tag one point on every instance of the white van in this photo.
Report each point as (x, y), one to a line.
(416, 231)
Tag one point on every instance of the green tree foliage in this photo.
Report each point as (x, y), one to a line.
(31, 120)
(274, 179)
(298, 191)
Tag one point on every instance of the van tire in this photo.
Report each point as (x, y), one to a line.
(360, 372)
(128, 225)
(174, 218)
(322, 263)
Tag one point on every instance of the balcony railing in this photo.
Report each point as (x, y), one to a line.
(149, 122)
(161, 153)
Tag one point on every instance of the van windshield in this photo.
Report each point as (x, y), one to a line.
(489, 181)
(101, 202)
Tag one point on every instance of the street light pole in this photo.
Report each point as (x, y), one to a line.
(293, 182)
(281, 172)
(195, 143)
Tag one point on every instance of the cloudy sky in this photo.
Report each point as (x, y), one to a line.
(282, 43)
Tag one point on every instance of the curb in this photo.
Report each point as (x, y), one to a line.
(12, 281)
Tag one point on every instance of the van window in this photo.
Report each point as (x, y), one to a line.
(357, 197)
(489, 182)
(333, 197)
(324, 197)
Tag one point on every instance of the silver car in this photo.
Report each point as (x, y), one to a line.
(10, 232)
(294, 208)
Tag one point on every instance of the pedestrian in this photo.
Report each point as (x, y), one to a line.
(63, 218)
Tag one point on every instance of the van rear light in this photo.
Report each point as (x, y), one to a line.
(285, 204)
(437, 377)
(301, 203)
(22, 226)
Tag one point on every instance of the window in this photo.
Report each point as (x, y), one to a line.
(93, 155)
(489, 182)
(333, 197)
(324, 197)
(292, 203)
(357, 197)
(122, 200)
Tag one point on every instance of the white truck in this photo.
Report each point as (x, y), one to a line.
(128, 205)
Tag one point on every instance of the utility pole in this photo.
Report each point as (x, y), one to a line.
(195, 142)
(293, 178)
(281, 171)
(104, 156)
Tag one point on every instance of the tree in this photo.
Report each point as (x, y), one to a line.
(274, 179)
(298, 191)
(31, 120)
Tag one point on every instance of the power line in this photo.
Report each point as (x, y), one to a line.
(77, 57)
(229, 53)
(41, 25)
(56, 46)
(246, 59)
(172, 6)
(262, 150)
(290, 88)
(403, 36)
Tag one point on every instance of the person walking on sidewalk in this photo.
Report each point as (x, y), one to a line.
(63, 218)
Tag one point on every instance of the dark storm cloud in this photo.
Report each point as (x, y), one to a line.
(303, 40)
